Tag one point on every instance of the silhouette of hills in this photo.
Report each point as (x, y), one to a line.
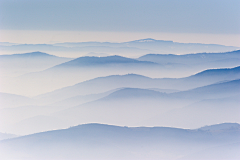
(85, 68)
(96, 61)
(202, 112)
(28, 55)
(19, 64)
(134, 93)
(11, 100)
(6, 136)
(103, 84)
(218, 90)
(130, 49)
(115, 142)
(222, 126)
(190, 58)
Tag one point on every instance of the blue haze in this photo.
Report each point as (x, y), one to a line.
(143, 99)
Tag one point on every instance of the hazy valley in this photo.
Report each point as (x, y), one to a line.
(140, 106)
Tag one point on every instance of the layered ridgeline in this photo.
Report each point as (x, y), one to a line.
(129, 99)
(99, 87)
(75, 71)
(130, 49)
(215, 103)
(85, 68)
(199, 60)
(6, 136)
(105, 84)
(19, 64)
(99, 141)
(12, 100)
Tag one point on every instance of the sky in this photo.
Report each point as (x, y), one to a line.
(49, 21)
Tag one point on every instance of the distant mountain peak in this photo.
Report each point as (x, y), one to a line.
(38, 53)
(211, 72)
(222, 126)
(31, 54)
(122, 76)
(134, 92)
(113, 76)
(114, 58)
(146, 40)
(134, 75)
(93, 61)
(94, 125)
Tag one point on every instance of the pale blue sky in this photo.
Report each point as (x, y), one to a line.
(219, 17)
(188, 16)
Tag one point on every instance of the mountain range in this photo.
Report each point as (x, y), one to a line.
(102, 61)
(84, 68)
(100, 141)
(104, 84)
(19, 64)
(137, 106)
(6, 136)
(130, 49)
(143, 99)
(190, 59)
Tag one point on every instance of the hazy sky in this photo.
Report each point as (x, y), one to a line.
(141, 18)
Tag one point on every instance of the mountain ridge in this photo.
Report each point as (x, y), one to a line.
(36, 54)
(133, 81)
(95, 61)
(131, 48)
(114, 142)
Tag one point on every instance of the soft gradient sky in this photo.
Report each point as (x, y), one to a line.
(48, 21)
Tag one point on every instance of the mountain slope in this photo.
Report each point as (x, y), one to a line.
(6, 136)
(114, 142)
(218, 127)
(203, 112)
(76, 71)
(131, 103)
(11, 100)
(223, 152)
(130, 49)
(30, 55)
(134, 103)
(198, 61)
(97, 85)
(85, 68)
(216, 102)
(161, 46)
(103, 84)
(18, 64)
(218, 90)
(128, 93)
(137, 105)
(99, 61)
(191, 59)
